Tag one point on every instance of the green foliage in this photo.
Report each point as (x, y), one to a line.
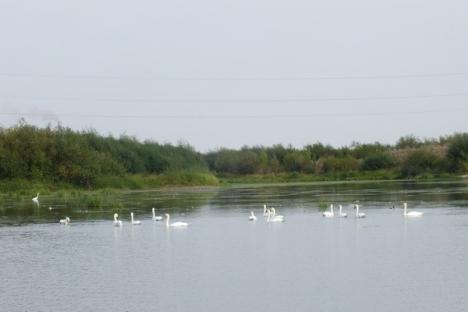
(422, 161)
(458, 153)
(60, 155)
(377, 161)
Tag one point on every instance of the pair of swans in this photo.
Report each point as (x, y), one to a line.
(118, 222)
(269, 213)
(331, 213)
(272, 217)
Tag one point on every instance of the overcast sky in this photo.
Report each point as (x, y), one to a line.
(231, 73)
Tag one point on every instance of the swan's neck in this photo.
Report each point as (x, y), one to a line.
(131, 216)
(264, 209)
(154, 215)
(167, 220)
(357, 210)
(115, 218)
(331, 208)
(405, 206)
(340, 209)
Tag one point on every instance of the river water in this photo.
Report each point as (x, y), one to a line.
(223, 262)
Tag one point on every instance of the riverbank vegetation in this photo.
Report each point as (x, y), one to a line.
(55, 158)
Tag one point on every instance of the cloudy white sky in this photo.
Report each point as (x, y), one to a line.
(228, 73)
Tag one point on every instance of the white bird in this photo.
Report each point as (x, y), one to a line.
(65, 221)
(265, 212)
(273, 214)
(252, 217)
(133, 221)
(36, 199)
(329, 214)
(155, 217)
(175, 224)
(342, 214)
(359, 214)
(117, 222)
(411, 214)
(271, 218)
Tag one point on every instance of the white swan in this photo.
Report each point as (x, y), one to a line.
(252, 217)
(359, 214)
(329, 214)
(273, 214)
(133, 221)
(117, 222)
(265, 212)
(36, 199)
(411, 214)
(65, 221)
(342, 214)
(175, 224)
(155, 217)
(271, 218)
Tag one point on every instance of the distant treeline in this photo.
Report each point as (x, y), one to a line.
(83, 158)
(60, 154)
(409, 157)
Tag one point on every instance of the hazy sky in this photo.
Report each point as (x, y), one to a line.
(228, 73)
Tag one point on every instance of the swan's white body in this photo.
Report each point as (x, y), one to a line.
(273, 214)
(359, 215)
(329, 214)
(342, 214)
(252, 217)
(155, 217)
(36, 199)
(65, 221)
(272, 218)
(117, 222)
(265, 212)
(411, 214)
(133, 221)
(175, 224)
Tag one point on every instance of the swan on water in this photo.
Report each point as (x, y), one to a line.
(411, 214)
(359, 214)
(273, 214)
(65, 221)
(272, 218)
(175, 224)
(133, 221)
(117, 222)
(329, 214)
(342, 214)
(155, 217)
(252, 217)
(36, 199)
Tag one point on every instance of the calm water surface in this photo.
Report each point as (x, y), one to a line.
(223, 262)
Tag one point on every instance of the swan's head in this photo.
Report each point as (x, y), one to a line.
(405, 205)
(331, 205)
(273, 209)
(339, 206)
(68, 219)
(131, 213)
(152, 209)
(167, 215)
(115, 215)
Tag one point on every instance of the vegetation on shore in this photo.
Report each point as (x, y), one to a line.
(55, 158)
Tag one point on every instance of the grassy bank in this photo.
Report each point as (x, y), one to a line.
(343, 176)
(132, 182)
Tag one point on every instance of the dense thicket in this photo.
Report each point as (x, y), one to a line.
(62, 155)
(58, 154)
(409, 157)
